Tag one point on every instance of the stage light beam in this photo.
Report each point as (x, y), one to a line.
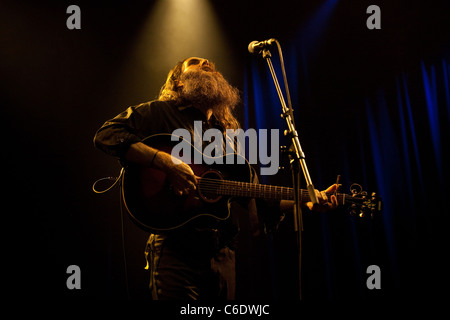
(174, 30)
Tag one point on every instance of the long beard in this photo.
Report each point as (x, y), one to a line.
(208, 90)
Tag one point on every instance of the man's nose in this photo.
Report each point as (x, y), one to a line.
(204, 62)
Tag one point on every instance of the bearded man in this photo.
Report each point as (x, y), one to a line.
(189, 262)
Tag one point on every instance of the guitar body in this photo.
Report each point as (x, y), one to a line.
(154, 207)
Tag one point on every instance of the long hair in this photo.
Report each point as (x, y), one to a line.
(170, 91)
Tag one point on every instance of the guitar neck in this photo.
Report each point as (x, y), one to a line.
(269, 192)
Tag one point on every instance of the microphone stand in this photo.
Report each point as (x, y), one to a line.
(297, 158)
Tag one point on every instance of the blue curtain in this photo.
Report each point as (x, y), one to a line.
(409, 140)
(398, 146)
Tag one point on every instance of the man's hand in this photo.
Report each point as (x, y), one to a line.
(325, 202)
(180, 175)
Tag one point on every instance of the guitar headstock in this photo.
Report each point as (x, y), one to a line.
(362, 204)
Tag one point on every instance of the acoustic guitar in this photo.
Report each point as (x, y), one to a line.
(153, 206)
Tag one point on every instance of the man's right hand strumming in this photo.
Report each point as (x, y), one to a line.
(180, 175)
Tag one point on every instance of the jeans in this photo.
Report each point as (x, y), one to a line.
(190, 268)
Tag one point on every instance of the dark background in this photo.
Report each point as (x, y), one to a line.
(349, 85)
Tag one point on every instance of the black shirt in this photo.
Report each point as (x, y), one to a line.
(139, 122)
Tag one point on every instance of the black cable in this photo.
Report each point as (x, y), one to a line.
(125, 264)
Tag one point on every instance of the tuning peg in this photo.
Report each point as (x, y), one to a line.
(355, 188)
(362, 214)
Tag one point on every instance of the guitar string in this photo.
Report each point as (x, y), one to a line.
(214, 185)
(220, 186)
(245, 186)
(271, 195)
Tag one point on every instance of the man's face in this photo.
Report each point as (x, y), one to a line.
(202, 85)
(195, 63)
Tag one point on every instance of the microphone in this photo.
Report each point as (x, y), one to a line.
(257, 46)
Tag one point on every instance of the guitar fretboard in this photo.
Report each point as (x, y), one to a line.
(253, 190)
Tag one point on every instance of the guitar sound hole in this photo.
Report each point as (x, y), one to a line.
(209, 186)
